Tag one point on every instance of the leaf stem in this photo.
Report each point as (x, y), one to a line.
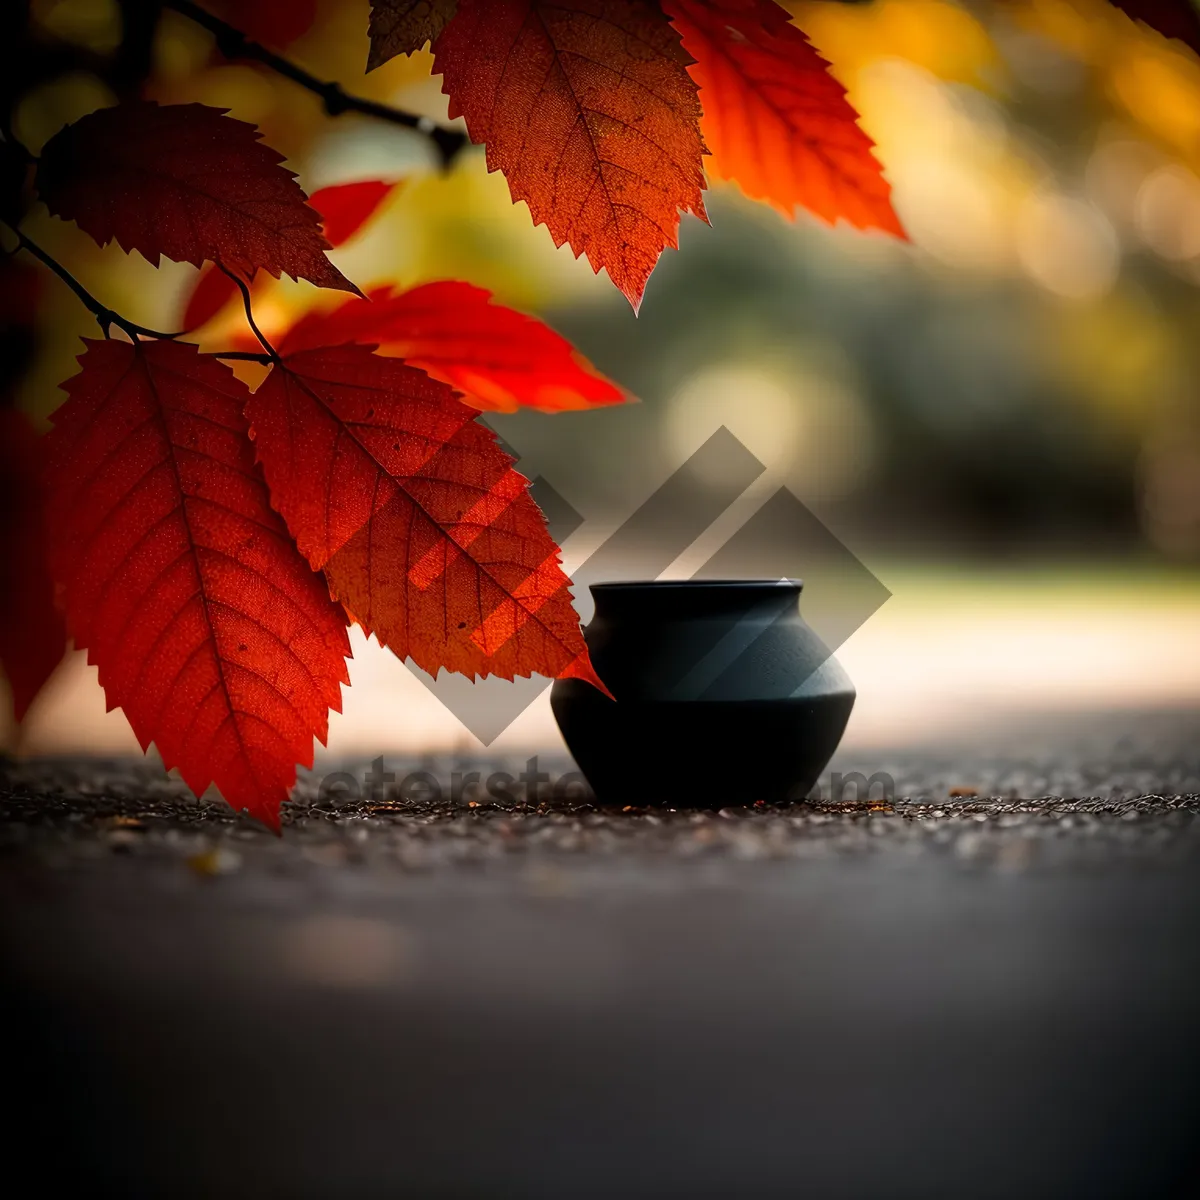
(106, 318)
(245, 356)
(272, 356)
(234, 44)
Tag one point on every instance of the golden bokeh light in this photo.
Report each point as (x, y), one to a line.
(1044, 157)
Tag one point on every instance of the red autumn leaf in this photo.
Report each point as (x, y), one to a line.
(208, 628)
(187, 182)
(402, 26)
(1172, 18)
(32, 636)
(214, 289)
(588, 109)
(343, 209)
(499, 359)
(425, 532)
(775, 120)
(346, 207)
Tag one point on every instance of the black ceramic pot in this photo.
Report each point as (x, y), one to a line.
(723, 695)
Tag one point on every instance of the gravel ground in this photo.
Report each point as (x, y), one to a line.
(980, 980)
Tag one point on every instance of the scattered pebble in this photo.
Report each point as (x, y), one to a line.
(211, 863)
(124, 814)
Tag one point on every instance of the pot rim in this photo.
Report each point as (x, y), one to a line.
(713, 584)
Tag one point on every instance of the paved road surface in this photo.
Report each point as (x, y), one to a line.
(971, 996)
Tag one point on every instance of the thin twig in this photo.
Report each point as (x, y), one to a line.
(234, 44)
(245, 356)
(105, 317)
(258, 333)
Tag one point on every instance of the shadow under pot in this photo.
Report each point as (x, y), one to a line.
(723, 695)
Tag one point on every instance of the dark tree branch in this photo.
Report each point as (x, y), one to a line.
(129, 67)
(234, 44)
(105, 317)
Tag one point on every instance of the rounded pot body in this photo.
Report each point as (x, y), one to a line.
(723, 695)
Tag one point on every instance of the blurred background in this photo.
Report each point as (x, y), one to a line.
(999, 419)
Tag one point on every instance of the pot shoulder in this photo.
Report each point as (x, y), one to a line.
(715, 661)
